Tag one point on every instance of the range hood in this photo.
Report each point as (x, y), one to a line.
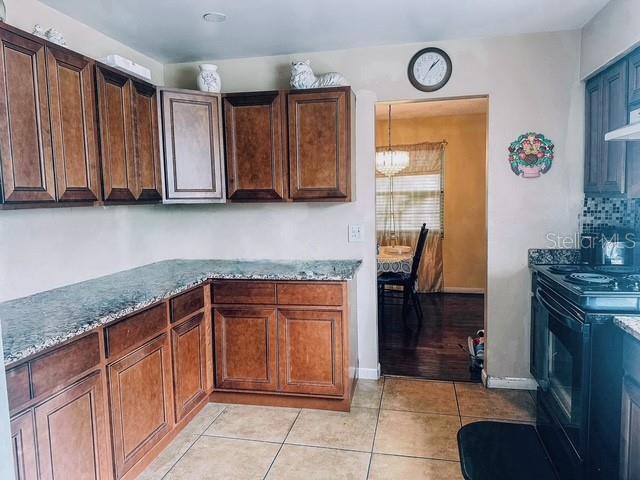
(628, 132)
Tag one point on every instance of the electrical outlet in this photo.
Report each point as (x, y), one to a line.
(356, 232)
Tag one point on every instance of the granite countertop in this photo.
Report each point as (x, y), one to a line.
(34, 323)
(553, 256)
(630, 325)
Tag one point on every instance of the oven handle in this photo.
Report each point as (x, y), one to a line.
(563, 315)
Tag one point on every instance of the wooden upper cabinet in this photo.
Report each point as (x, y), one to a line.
(145, 140)
(25, 137)
(128, 138)
(320, 144)
(310, 351)
(254, 145)
(71, 433)
(245, 348)
(192, 142)
(634, 80)
(614, 107)
(594, 136)
(116, 138)
(140, 402)
(73, 125)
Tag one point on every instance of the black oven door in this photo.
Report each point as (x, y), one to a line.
(566, 348)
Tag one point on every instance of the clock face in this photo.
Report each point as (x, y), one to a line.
(430, 69)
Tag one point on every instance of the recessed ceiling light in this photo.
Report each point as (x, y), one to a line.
(214, 17)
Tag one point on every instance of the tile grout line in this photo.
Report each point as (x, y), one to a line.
(455, 391)
(375, 430)
(282, 445)
(199, 435)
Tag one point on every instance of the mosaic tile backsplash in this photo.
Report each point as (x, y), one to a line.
(599, 213)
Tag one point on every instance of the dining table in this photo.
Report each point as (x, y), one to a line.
(396, 259)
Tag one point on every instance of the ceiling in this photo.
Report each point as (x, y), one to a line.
(439, 108)
(173, 30)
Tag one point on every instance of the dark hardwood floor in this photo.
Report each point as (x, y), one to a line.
(436, 351)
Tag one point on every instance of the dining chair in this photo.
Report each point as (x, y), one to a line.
(406, 281)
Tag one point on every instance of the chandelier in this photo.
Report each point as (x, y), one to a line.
(390, 162)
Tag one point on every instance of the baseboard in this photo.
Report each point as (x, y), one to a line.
(369, 373)
(513, 383)
(462, 290)
(484, 377)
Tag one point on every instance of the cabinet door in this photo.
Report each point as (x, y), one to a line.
(630, 431)
(71, 433)
(23, 443)
(310, 352)
(140, 402)
(73, 125)
(245, 347)
(320, 145)
(148, 184)
(116, 135)
(189, 364)
(614, 90)
(594, 135)
(634, 79)
(254, 146)
(25, 138)
(192, 146)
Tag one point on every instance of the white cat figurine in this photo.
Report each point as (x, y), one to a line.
(302, 77)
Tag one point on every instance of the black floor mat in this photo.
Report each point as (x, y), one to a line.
(503, 451)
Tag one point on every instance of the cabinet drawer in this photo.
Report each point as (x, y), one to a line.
(631, 357)
(310, 294)
(18, 386)
(251, 293)
(187, 303)
(56, 369)
(135, 329)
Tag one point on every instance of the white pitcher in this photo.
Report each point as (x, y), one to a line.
(209, 79)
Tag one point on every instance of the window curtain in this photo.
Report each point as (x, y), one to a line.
(418, 193)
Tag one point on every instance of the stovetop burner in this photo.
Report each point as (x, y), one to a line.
(565, 268)
(616, 269)
(583, 278)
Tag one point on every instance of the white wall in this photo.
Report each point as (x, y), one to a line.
(612, 32)
(533, 84)
(81, 38)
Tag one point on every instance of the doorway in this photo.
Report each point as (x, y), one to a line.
(431, 170)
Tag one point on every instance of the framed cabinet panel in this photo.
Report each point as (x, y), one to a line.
(192, 141)
(116, 136)
(245, 348)
(140, 402)
(614, 94)
(254, 144)
(146, 149)
(23, 443)
(594, 135)
(630, 431)
(71, 433)
(25, 138)
(634, 79)
(188, 342)
(320, 144)
(73, 125)
(310, 348)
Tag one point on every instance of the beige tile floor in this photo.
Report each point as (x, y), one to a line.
(397, 429)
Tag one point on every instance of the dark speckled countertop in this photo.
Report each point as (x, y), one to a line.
(34, 323)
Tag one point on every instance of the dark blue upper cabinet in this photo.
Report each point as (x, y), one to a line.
(634, 80)
(606, 110)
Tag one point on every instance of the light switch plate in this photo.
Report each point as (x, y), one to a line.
(356, 233)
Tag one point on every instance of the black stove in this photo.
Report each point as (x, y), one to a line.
(609, 288)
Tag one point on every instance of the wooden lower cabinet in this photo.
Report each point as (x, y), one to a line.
(310, 351)
(140, 402)
(245, 348)
(188, 341)
(71, 433)
(23, 443)
(630, 433)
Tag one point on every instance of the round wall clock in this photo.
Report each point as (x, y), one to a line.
(430, 69)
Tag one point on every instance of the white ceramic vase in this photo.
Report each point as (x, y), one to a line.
(209, 79)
